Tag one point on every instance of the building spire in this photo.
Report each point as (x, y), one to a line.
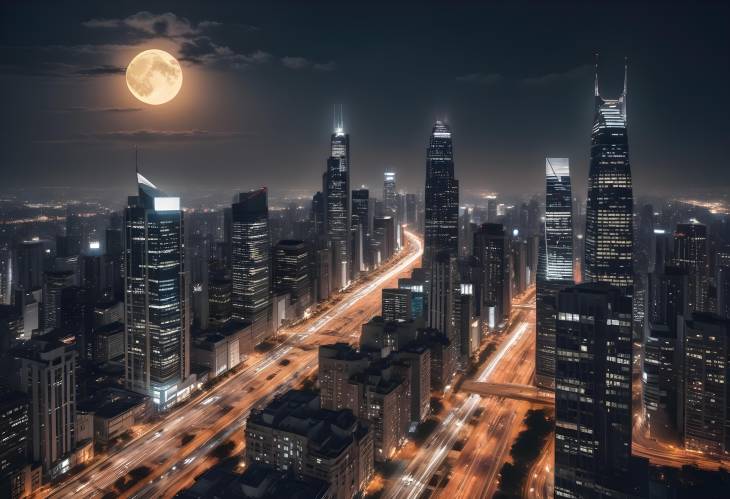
(595, 81)
(626, 73)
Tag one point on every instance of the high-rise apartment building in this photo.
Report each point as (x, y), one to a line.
(47, 374)
(690, 254)
(706, 392)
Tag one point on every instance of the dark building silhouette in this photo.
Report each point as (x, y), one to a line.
(492, 253)
(442, 197)
(291, 273)
(592, 391)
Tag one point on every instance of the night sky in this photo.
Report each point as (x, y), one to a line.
(260, 80)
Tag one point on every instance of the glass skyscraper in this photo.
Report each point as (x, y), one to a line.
(609, 213)
(157, 333)
(251, 246)
(558, 220)
(338, 222)
(555, 264)
(442, 197)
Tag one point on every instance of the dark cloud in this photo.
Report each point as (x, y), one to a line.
(81, 109)
(481, 78)
(147, 24)
(153, 136)
(203, 50)
(552, 78)
(101, 70)
(298, 63)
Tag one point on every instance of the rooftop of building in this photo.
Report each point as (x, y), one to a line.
(111, 402)
(340, 351)
(297, 411)
(110, 329)
(258, 481)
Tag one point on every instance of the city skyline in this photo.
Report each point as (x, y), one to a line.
(489, 99)
(353, 330)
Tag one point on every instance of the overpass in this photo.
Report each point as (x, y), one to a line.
(511, 391)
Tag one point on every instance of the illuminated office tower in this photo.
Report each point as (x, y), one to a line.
(555, 264)
(362, 216)
(442, 197)
(336, 187)
(690, 254)
(610, 204)
(558, 220)
(251, 247)
(592, 391)
(156, 329)
(389, 194)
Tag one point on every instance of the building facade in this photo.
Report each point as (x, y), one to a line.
(157, 355)
(251, 258)
(609, 230)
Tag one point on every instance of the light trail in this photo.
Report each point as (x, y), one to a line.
(414, 480)
(172, 462)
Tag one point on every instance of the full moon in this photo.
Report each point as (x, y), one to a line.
(154, 77)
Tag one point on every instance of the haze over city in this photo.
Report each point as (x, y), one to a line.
(376, 250)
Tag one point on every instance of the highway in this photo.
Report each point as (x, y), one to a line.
(218, 415)
(488, 440)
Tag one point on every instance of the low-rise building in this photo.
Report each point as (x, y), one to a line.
(292, 433)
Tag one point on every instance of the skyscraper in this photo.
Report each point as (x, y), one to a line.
(555, 264)
(492, 252)
(156, 329)
(291, 273)
(609, 214)
(690, 254)
(442, 197)
(251, 246)
(592, 391)
(389, 193)
(558, 220)
(363, 217)
(336, 186)
(47, 374)
(706, 394)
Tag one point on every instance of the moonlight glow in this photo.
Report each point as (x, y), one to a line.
(154, 77)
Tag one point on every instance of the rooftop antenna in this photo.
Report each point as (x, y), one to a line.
(595, 84)
(626, 76)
